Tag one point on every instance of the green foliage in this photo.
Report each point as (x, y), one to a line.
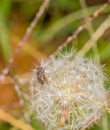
(4, 126)
(5, 7)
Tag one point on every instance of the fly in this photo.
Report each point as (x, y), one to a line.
(40, 75)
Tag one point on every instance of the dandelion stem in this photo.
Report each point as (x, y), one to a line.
(94, 101)
(24, 39)
(99, 32)
(18, 91)
(17, 123)
(11, 106)
(90, 29)
(91, 119)
(80, 28)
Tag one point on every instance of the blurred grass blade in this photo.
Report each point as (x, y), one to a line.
(63, 22)
(4, 36)
(4, 41)
(5, 7)
(105, 53)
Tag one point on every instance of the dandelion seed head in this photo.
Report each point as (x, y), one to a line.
(73, 89)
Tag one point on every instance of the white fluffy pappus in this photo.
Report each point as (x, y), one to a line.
(72, 93)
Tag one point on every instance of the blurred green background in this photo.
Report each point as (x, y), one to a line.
(60, 20)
